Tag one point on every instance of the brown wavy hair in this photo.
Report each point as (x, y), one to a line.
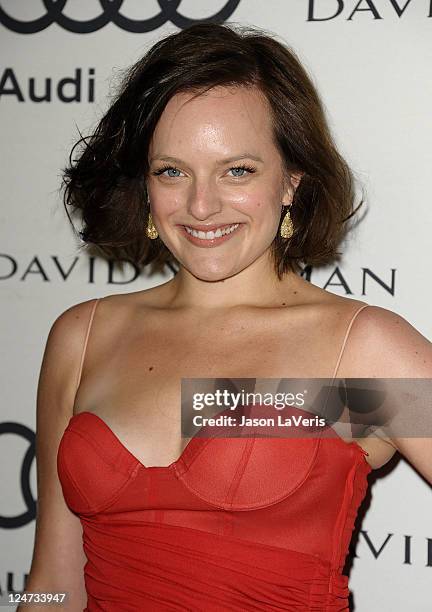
(106, 184)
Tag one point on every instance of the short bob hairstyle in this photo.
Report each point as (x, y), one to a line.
(106, 185)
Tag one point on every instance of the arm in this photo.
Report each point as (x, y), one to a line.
(385, 345)
(58, 557)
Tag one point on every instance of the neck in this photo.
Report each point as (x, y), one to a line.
(257, 285)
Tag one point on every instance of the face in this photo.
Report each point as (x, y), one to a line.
(216, 182)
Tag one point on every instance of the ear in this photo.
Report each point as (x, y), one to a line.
(291, 184)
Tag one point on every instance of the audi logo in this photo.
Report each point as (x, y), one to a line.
(111, 14)
(11, 522)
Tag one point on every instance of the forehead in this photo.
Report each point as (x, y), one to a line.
(220, 115)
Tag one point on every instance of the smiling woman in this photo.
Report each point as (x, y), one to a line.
(207, 201)
(216, 159)
(262, 113)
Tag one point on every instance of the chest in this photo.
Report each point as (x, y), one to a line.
(134, 380)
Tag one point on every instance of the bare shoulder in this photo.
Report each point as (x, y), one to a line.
(385, 344)
(334, 311)
(65, 341)
(58, 557)
(61, 362)
(152, 297)
(380, 344)
(72, 320)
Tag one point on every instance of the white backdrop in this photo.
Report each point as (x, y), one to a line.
(371, 63)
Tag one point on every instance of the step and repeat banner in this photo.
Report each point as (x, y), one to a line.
(59, 63)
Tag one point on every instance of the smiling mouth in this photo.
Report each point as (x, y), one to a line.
(211, 238)
(210, 235)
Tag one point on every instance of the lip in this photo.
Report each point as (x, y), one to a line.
(213, 242)
(209, 228)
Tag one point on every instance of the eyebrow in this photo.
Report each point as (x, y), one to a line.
(220, 162)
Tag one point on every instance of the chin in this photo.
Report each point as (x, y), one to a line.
(209, 273)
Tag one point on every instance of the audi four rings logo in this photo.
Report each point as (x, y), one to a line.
(111, 14)
(11, 522)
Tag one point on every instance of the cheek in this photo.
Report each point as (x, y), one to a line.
(262, 210)
(261, 198)
(253, 203)
(165, 205)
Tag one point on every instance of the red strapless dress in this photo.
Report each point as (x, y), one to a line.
(234, 524)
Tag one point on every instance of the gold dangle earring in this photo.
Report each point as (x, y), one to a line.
(151, 231)
(287, 228)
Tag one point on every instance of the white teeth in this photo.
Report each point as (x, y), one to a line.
(212, 234)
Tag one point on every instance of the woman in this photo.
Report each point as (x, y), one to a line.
(216, 159)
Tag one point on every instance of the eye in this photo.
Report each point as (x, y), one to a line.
(165, 169)
(243, 168)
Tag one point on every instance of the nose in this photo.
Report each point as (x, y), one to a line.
(204, 201)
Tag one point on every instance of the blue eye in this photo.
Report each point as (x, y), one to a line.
(248, 169)
(171, 169)
(174, 170)
(236, 169)
(165, 169)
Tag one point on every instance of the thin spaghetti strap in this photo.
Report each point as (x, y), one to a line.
(84, 349)
(346, 338)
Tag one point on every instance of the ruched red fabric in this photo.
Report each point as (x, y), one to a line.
(234, 524)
